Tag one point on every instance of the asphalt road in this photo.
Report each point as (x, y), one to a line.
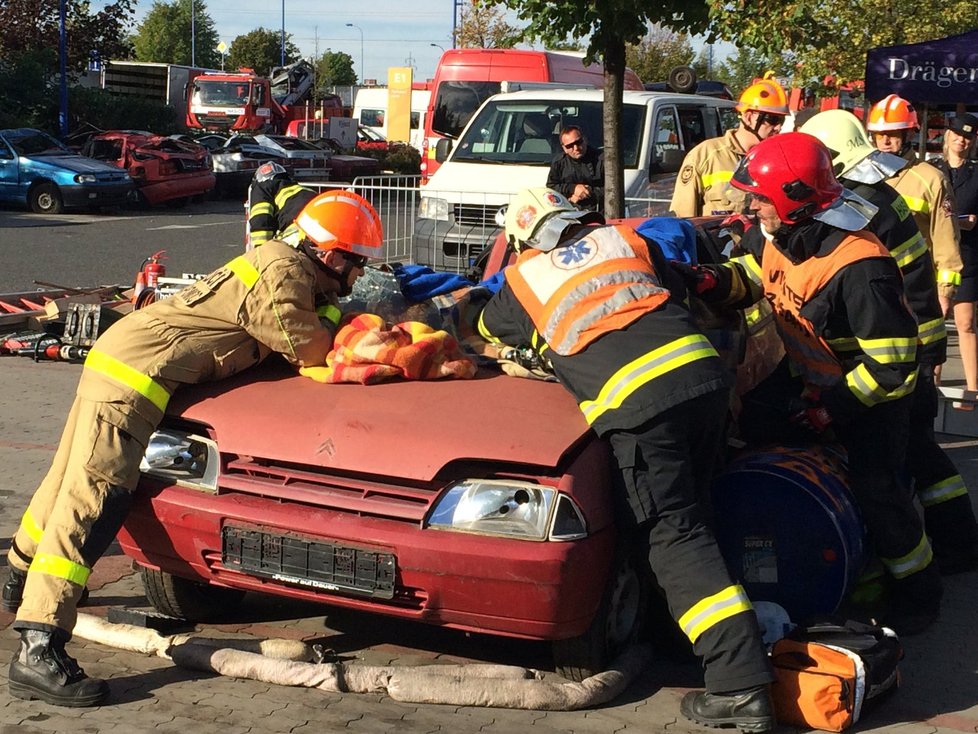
(80, 250)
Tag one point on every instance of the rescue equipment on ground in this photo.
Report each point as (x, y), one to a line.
(283, 662)
(148, 276)
(791, 530)
(828, 674)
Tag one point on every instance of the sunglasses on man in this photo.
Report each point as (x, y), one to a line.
(357, 261)
(770, 118)
(574, 143)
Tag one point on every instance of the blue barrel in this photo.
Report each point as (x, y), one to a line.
(789, 529)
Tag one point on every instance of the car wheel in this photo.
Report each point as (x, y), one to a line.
(186, 599)
(45, 198)
(617, 624)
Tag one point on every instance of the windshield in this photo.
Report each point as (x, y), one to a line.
(527, 132)
(456, 102)
(34, 142)
(213, 92)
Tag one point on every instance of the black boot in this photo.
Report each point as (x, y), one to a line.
(43, 670)
(12, 593)
(749, 710)
(13, 590)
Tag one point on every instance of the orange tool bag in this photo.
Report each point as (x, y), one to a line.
(829, 674)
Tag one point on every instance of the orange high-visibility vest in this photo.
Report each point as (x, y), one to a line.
(789, 286)
(579, 291)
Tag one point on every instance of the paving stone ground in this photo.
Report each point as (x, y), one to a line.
(939, 694)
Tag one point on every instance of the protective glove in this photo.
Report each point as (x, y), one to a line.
(698, 278)
(815, 417)
(738, 222)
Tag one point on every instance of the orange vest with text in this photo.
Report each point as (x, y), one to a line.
(789, 286)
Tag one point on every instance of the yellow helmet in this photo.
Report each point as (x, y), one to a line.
(765, 95)
(537, 217)
(843, 134)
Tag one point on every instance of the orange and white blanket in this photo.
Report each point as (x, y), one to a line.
(368, 350)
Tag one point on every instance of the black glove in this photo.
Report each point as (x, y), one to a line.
(698, 278)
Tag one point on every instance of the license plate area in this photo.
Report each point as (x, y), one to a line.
(311, 563)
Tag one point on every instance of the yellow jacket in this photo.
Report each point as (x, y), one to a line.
(702, 185)
(931, 199)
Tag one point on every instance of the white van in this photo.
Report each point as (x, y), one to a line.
(370, 107)
(508, 146)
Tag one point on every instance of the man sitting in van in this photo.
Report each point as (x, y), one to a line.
(578, 173)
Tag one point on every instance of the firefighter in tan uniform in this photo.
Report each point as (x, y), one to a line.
(259, 303)
(928, 193)
(701, 187)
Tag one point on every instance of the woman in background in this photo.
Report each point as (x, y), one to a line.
(961, 168)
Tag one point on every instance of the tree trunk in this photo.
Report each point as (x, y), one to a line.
(614, 81)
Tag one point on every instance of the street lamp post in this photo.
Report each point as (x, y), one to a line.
(351, 25)
(283, 33)
(193, 36)
(440, 48)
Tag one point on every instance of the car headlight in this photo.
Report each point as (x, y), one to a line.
(182, 457)
(433, 208)
(85, 178)
(508, 508)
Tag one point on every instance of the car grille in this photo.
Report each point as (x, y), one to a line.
(343, 494)
(476, 216)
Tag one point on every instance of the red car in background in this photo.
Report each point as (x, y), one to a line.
(165, 170)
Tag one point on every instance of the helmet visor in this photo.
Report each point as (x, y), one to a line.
(850, 212)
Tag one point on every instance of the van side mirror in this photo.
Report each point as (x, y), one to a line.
(442, 148)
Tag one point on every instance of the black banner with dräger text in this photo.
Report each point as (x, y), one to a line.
(942, 71)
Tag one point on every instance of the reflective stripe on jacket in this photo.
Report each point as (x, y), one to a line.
(582, 290)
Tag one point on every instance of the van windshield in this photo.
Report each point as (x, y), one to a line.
(456, 102)
(527, 132)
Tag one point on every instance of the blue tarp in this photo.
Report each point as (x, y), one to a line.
(939, 72)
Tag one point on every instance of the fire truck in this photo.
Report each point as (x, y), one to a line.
(244, 102)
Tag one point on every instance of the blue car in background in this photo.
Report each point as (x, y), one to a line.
(40, 172)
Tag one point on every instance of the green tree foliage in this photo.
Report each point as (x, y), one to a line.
(739, 70)
(165, 35)
(608, 25)
(660, 51)
(261, 50)
(108, 111)
(28, 91)
(334, 69)
(830, 37)
(28, 26)
(483, 26)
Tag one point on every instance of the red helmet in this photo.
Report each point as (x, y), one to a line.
(794, 171)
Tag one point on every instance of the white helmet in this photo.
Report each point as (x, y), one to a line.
(853, 156)
(537, 217)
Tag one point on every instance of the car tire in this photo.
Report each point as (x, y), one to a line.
(45, 198)
(193, 601)
(618, 623)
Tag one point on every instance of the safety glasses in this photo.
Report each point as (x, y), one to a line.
(357, 261)
(769, 118)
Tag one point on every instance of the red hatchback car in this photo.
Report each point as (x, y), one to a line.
(164, 170)
(482, 505)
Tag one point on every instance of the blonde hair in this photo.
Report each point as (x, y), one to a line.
(970, 153)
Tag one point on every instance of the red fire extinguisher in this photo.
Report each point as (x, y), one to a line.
(149, 274)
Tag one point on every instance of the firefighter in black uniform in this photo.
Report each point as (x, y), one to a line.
(596, 302)
(274, 201)
(839, 306)
(948, 516)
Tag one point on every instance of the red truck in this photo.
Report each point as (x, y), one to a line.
(482, 505)
(245, 102)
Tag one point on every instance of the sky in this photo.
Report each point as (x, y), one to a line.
(394, 32)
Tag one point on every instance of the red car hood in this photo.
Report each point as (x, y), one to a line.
(407, 429)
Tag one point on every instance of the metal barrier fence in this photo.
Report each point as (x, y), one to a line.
(451, 236)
